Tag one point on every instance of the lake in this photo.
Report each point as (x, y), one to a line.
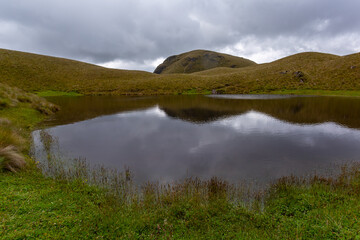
(234, 137)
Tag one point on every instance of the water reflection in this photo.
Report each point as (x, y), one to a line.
(247, 145)
(200, 109)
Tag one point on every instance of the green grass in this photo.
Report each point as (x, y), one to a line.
(58, 94)
(19, 116)
(32, 206)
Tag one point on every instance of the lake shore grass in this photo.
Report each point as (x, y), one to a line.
(57, 94)
(33, 205)
(315, 92)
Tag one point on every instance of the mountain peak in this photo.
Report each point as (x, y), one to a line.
(200, 60)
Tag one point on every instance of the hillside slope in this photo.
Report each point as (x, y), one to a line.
(33, 72)
(200, 60)
(303, 71)
(309, 70)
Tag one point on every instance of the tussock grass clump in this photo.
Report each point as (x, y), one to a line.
(11, 160)
(10, 136)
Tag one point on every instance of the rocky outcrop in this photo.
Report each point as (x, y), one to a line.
(200, 60)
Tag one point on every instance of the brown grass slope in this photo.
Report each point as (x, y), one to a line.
(311, 70)
(308, 70)
(33, 72)
(200, 60)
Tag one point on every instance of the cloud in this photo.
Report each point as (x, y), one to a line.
(135, 33)
(270, 49)
(147, 65)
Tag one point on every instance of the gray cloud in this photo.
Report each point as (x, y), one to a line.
(135, 33)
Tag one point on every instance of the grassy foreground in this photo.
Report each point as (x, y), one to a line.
(33, 206)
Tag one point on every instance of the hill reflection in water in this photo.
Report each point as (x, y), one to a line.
(230, 139)
(198, 109)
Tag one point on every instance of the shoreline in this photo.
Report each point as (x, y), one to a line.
(305, 92)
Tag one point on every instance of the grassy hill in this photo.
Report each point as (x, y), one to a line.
(200, 60)
(297, 73)
(33, 72)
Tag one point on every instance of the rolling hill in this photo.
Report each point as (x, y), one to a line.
(33, 72)
(299, 72)
(200, 60)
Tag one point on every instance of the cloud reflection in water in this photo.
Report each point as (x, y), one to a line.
(248, 146)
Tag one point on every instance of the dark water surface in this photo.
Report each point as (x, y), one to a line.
(234, 137)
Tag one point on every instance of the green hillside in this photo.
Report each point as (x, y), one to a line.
(200, 60)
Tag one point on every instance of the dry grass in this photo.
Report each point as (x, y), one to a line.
(33, 72)
(11, 159)
(10, 136)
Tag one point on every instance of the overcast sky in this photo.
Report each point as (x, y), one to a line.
(140, 34)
